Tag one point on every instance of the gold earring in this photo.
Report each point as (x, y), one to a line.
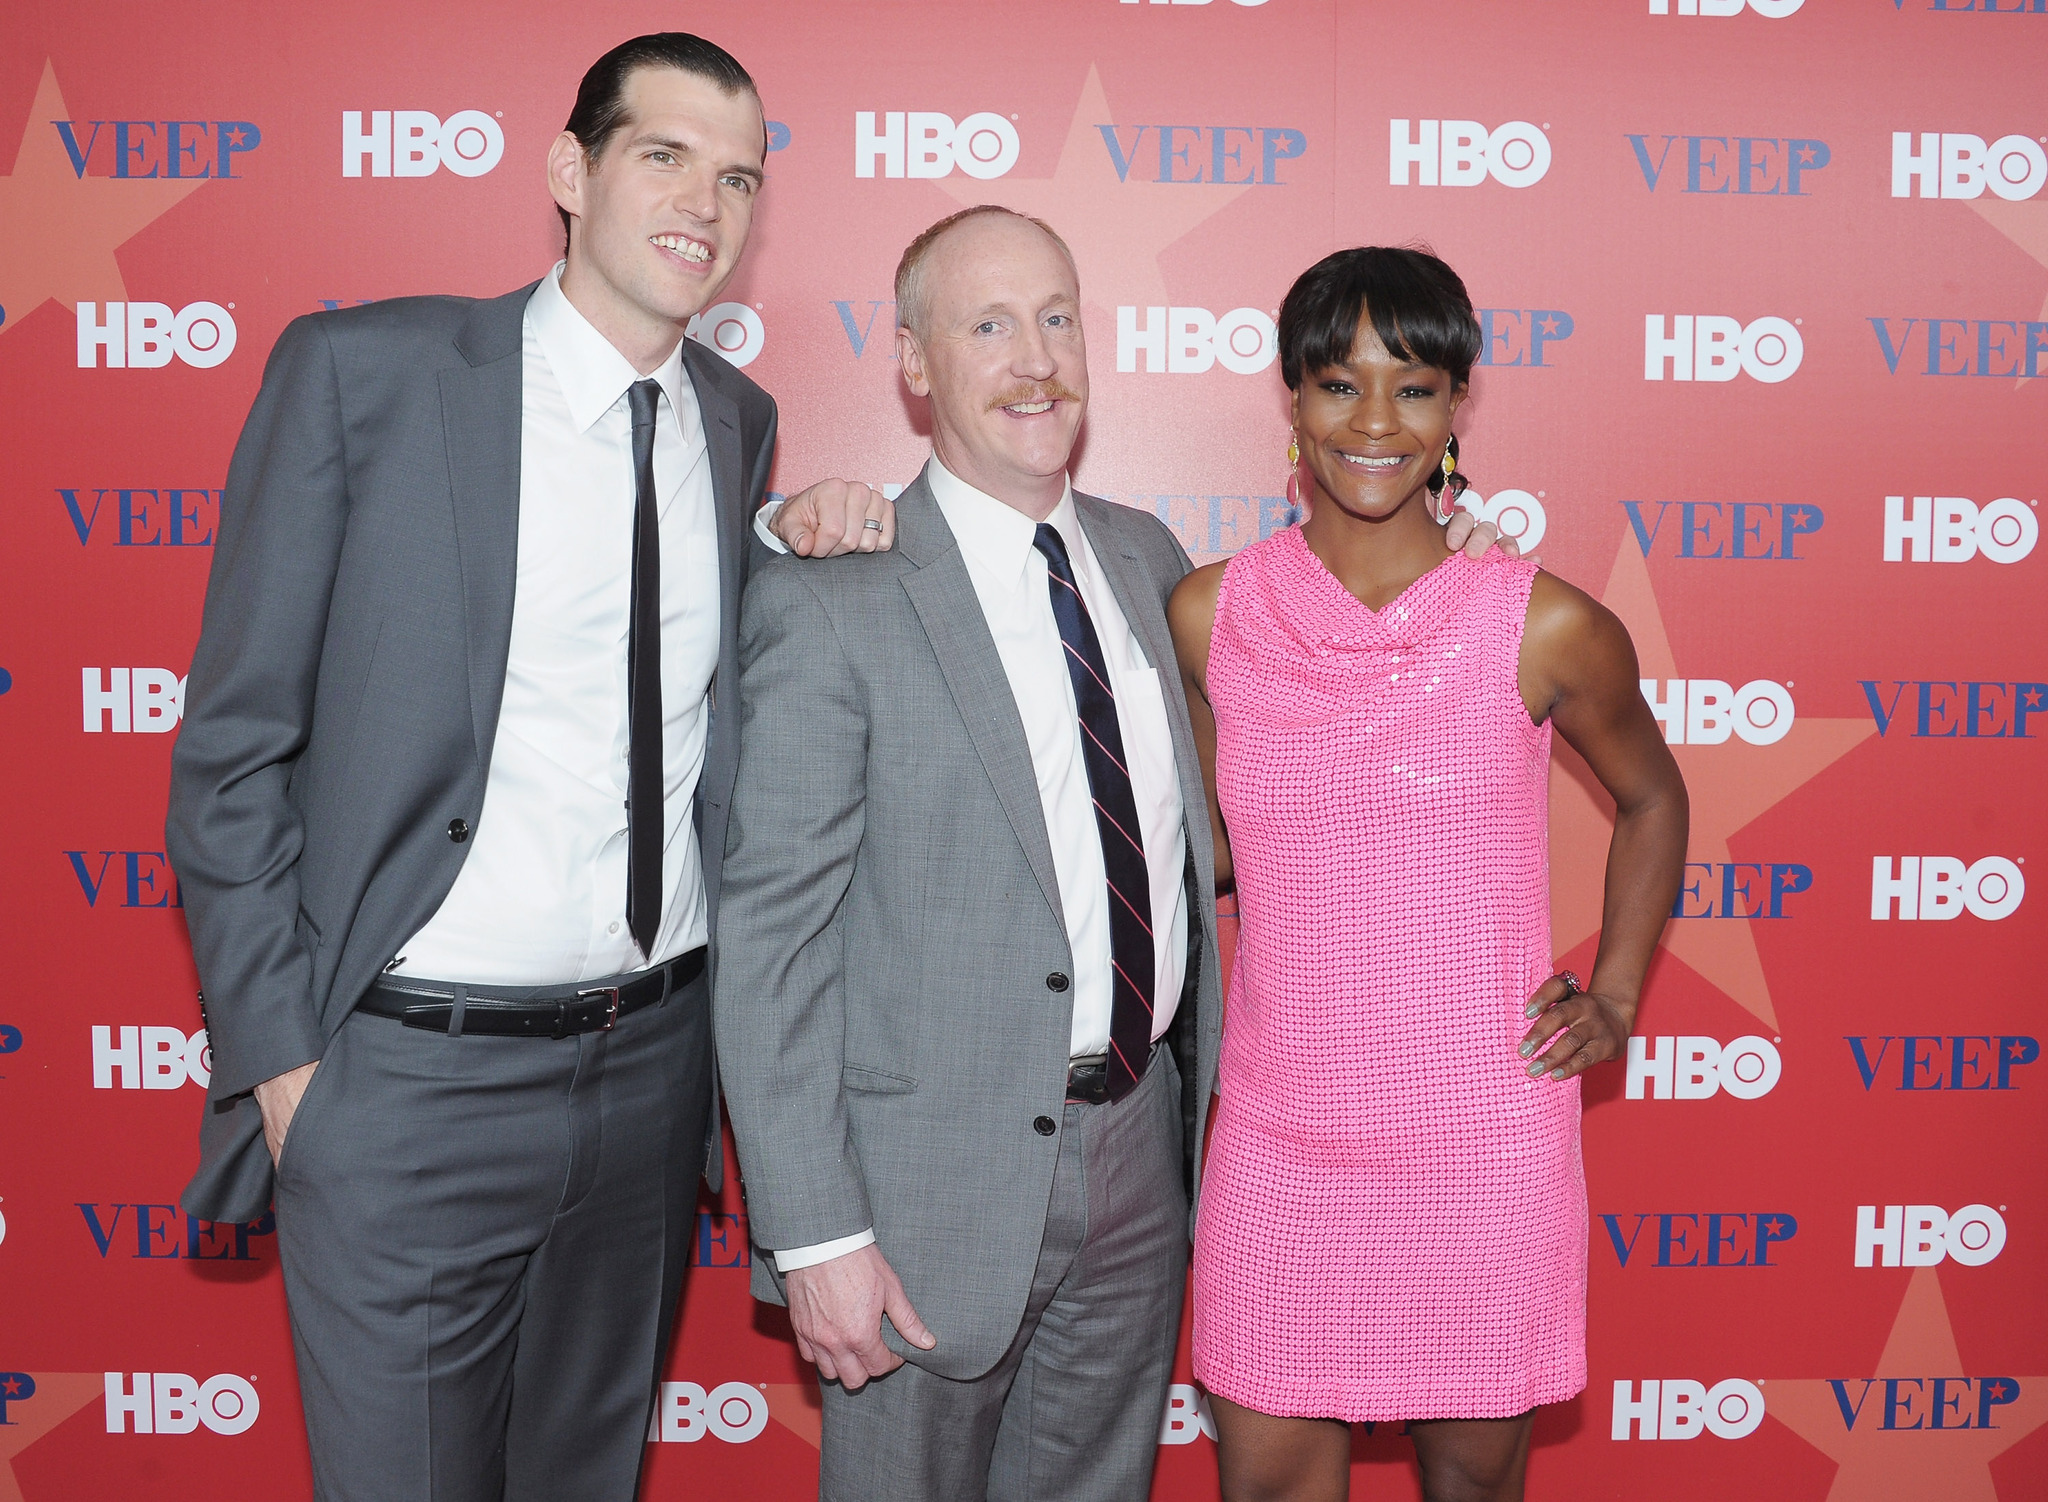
(1293, 451)
(1450, 466)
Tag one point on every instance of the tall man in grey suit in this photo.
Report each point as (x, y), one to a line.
(449, 744)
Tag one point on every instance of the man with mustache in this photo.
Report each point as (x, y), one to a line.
(968, 891)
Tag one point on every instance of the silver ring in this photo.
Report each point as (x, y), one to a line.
(870, 524)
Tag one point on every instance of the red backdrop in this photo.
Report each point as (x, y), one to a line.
(1809, 488)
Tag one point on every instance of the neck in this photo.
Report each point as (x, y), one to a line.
(1037, 496)
(1375, 558)
(644, 339)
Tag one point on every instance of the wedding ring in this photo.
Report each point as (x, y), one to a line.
(870, 524)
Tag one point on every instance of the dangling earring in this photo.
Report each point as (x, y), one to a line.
(1443, 496)
(1294, 472)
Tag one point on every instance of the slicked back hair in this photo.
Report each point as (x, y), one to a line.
(910, 308)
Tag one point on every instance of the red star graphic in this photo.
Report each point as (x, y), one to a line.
(2025, 224)
(1910, 1464)
(58, 1396)
(63, 228)
(1730, 785)
(798, 1408)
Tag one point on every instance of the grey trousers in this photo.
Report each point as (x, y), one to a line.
(1072, 1411)
(483, 1241)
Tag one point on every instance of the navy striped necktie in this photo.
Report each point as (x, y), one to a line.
(1116, 823)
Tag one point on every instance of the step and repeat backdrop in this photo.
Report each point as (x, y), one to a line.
(1764, 289)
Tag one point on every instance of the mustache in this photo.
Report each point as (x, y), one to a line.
(1046, 391)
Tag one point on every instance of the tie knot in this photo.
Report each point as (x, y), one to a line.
(1049, 542)
(641, 396)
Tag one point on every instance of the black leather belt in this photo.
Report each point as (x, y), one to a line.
(505, 1012)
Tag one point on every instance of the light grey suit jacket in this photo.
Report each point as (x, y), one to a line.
(885, 1028)
(344, 694)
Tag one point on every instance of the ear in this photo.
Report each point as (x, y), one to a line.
(910, 356)
(567, 169)
(1458, 394)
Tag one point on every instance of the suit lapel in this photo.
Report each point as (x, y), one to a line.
(944, 598)
(480, 417)
(721, 420)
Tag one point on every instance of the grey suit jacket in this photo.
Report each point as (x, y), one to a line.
(885, 1028)
(344, 694)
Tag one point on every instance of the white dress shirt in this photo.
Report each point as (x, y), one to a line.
(1011, 581)
(541, 899)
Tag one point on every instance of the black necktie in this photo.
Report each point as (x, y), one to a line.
(1116, 824)
(646, 829)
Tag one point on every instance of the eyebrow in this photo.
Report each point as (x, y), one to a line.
(684, 148)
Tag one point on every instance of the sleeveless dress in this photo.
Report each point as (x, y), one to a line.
(1393, 1215)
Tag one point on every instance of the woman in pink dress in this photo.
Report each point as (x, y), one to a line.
(1393, 1211)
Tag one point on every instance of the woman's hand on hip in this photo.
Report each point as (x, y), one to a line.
(1574, 1029)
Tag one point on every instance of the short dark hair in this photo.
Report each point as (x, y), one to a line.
(600, 107)
(1417, 304)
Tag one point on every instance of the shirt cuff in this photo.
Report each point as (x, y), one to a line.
(810, 1256)
(762, 530)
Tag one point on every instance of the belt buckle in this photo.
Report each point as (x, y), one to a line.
(611, 1011)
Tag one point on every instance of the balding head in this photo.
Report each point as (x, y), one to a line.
(911, 306)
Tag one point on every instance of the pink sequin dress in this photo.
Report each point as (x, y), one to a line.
(1393, 1215)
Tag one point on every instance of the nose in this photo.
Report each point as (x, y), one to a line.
(1375, 415)
(697, 195)
(1032, 357)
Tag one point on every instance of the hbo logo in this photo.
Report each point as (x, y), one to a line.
(1679, 1409)
(1188, 341)
(149, 701)
(150, 1058)
(1701, 1068)
(1706, 711)
(1940, 886)
(173, 1403)
(1927, 1235)
(144, 335)
(418, 143)
(1775, 10)
(732, 328)
(1953, 529)
(1187, 1417)
(1707, 347)
(685, 1413)
(1463, 153)
(1962, 166)
(1517, 513)
(925, 143)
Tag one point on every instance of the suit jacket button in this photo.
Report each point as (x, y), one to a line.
(1044, 1126)
(1057, 981)
(458, 830)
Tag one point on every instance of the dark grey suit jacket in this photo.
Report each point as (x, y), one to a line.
(344, 694)
(885, 1026)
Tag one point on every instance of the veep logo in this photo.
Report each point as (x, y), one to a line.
(166, 518)
(145, 335)
(1927, 1235)
(149, 880)
(732, 328)
(684, 1413)
(1947, 1061)
(1205, 153)
(1676, 1408)
(1968, 346)
(1464, 153)
(1947, 1398)
(1773, 10)
(1748, 533)
(1724, 1240)
(418, 143)
(150, 1058)
(1747, 889)
(1710, 347)
(173, 1403)
(158, 1238)
(1701, 1068)
(1955, 529)
(1708, 712)
(15, 1387)
(1189, 341)
(169, 148)
(1762, 165)
(1963, 166)
(926, 143)
(1247, 4)
(1940, 886)
(1946, 708)
(1517, 336)
(146, 701)
(1187, 1417)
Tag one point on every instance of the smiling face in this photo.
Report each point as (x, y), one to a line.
(661, 218)
(1000, 355)
(1373, 429)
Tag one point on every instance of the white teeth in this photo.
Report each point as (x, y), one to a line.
(689, 250)
(1391, 462)
(1032, 407)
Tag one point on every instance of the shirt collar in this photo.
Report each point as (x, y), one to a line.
(592, 374)
(999, 537)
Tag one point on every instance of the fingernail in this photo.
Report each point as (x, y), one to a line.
(1532, 1010)
(1535, 1069)
(1527, 1049)
(1557, 1074)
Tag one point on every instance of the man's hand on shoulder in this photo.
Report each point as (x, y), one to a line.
(834, 517)
(1467, 534)
(278, 1098)
(836, 1308)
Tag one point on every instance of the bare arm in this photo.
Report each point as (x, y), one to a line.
(1191, 615)
(1578, 669)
